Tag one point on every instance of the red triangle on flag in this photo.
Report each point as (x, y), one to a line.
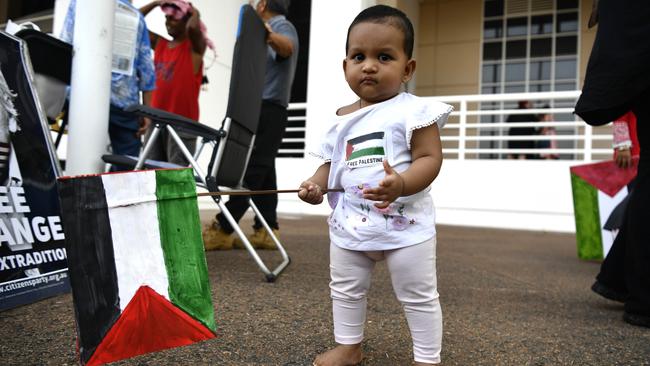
(606, 176)
(149, 323)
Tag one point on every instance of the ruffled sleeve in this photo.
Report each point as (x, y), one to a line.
(325, 150)
(424, 113)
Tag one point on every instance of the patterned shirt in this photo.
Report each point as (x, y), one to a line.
(124, 88)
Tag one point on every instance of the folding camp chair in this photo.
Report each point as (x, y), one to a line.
(233, 143)
(51, 60)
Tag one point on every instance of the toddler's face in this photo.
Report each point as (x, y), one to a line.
(376, 64)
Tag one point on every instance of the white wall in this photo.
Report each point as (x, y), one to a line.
(326, 86)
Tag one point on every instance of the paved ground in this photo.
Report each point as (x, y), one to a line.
(508, 297)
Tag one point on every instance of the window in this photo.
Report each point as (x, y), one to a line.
(517, 27)
(535, 48)
(493, 8)
(541, 24)
(492, 73)
(566, 45)
(528, 46)
(540, 70)
(567, 22)
(493, 29)
(492, 51)
(541, 47)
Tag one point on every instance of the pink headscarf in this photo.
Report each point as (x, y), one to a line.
(178, 9)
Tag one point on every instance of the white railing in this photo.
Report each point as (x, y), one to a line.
(466, 130)
(293, 144)
(467, 137)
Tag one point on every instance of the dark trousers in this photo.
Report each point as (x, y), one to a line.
(626, 268)
(260, 173)
(122, 128)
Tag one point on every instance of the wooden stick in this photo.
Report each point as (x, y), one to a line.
(251, 193)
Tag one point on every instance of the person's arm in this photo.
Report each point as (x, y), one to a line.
(281, 44)
(144, 121)
(149, 7)
(622, 143)
(153, 37)
(426, 156)
(197, 38)
(311, 189)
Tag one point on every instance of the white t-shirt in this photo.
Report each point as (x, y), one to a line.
(356, 145)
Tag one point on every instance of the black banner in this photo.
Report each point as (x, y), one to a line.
(33, 261)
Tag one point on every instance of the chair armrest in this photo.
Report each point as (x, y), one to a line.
(179, 123)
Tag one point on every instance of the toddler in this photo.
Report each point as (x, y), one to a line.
(384, 150)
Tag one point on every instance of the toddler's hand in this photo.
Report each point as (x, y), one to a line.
(389, 189)
(310, 192)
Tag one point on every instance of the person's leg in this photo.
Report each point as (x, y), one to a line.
(350, 279)
(123, 142)
(268, 203)
(610, 281)
(273, 122)
(637, 256)
(413, 274)
(237, 205)
(273, 119)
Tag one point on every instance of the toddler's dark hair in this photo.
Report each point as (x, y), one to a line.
(382, 14)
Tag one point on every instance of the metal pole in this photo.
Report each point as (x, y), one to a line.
(90, 88)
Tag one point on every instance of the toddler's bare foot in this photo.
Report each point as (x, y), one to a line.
(341, 355)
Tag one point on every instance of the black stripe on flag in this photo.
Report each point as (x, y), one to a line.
(91, 262)
(370, 136)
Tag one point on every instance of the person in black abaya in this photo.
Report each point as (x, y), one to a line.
(618, 80)
(521, 131)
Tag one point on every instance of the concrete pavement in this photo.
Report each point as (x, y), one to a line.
(508, 297)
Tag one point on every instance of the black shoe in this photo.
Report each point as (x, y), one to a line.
(608, 292)
(637, 319)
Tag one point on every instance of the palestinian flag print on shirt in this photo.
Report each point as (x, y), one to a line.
(136, 262)
(365, 150)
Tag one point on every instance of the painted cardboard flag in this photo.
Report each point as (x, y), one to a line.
(599, 200)
(136, 263)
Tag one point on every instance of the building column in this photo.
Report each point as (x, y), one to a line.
(90, 86)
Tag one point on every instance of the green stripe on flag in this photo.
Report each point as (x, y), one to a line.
(366, 152)
(180, 233)
(586, 211)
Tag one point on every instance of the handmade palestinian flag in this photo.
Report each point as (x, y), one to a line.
(365, 150)
(599, 200)
(136, 263)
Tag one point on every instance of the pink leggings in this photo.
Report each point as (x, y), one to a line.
(413, 274)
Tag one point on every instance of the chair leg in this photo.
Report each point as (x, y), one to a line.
(270, 275)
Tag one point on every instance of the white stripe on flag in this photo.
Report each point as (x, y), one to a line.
(606, 205)
(369, 144)
(136, 236)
